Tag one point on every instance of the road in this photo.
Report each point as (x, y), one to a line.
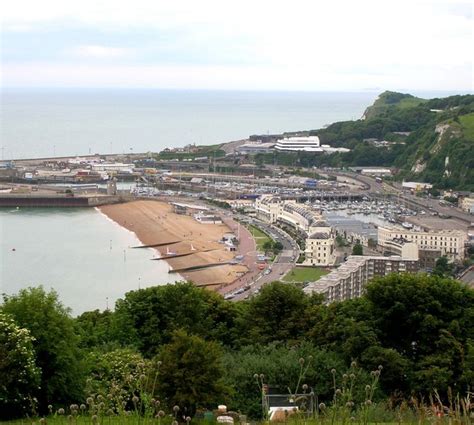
(282, 264)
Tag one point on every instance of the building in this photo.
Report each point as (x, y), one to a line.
(467, 204)
(319, 236)
(320, 249)
(299, 143)
(402, 247)
(255, 147)
(418, 186)
(450, 243)
(305, 144)
(349, 280)
(207, 218)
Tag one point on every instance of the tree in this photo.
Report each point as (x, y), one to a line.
(443, 267)
(278, 313)
(191, 373)
(148, 317)
(267, 246)
(277, 247)
(19, 376)
(55, 344)
(117, 372)
(357, 249)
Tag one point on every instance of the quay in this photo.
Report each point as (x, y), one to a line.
(31, 200)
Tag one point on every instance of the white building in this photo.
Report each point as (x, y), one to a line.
(319, 236)
(300, 143)
(450, 243)
(467, 205)
(320, 249)
(255, 147)
(350, 279)
(416, 185)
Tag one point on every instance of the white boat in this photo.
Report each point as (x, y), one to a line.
(407, 225)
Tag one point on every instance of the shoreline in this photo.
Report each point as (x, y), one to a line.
(200, 256)
(152, 250)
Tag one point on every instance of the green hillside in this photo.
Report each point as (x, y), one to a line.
(430, 140)
(390, 100)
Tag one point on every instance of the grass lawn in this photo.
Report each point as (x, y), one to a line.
(467, 122)
(304, 274)
(259, 236)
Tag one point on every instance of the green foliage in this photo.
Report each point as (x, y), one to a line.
(418, 328)
(280, 366)
(277, 314)
(191, 373)
(357, 249)
(55, 343)
(19, 376)
(443, 267)
(115, 372)
(147, 318)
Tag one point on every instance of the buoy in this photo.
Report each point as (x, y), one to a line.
(13, 249)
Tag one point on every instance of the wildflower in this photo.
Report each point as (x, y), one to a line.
(305, 387)
(159, 363)
(354, 364)
(352, 376)
(176, 409)
(353, 419)
(161, 413)
(110, 396)
(89, 400)
(255, 376)
(174, 423)
(262, 376)
(100, 397)
(333, 371)
(94, 419)
(135, 399)
(310, 358)
(188, 419)
(61, 411)
(301, 361)
(70, 418)
(82, 406)
(338, 392)
(142, 377)
(344, 376)
(377, 373)
(368, 388)
(50, 408)
(380, 367)
(350, 404)
(42, 421)
(110, 412)
(368, 402)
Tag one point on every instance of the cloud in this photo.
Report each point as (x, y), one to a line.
(393, 41)
(99, 52)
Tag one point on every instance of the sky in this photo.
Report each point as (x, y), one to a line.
(315, 45)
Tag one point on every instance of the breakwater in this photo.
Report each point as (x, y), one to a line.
(33, 200)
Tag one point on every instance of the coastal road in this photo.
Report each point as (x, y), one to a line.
(284, 262)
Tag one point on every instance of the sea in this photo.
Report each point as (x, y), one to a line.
(81, 254)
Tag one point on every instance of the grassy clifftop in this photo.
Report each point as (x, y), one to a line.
(391, 100)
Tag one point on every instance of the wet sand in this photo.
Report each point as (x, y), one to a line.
(155, 222)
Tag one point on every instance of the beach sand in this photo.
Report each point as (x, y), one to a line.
(154, 222)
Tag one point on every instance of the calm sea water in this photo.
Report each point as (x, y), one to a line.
(39, 123)
(80, 253)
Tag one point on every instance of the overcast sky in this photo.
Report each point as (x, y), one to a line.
(256, 45)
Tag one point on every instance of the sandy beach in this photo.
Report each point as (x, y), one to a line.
(155, 222)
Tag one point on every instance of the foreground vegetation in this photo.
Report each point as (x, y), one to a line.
(403, 352)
